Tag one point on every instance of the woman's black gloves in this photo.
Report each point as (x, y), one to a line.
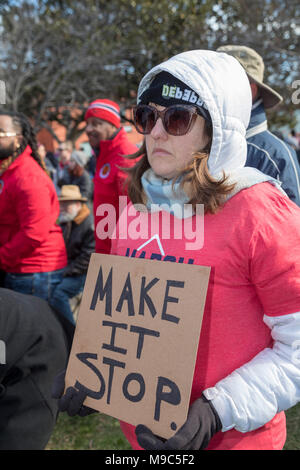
(201, 424)
(72, 400)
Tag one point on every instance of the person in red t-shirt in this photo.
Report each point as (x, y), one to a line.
(32, 249)
(194, 110)
(110, 144)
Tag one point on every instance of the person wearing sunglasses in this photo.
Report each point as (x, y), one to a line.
(32, 249)
(193, 110)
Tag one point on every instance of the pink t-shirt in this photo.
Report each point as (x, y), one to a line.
(252, 246)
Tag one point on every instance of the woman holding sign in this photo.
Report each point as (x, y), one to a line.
(194, 110)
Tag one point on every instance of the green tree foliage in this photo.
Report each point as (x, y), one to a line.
(56, 56)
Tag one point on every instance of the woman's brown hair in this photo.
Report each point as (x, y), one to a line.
(195, 178)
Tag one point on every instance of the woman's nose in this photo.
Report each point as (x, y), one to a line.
(158, 131)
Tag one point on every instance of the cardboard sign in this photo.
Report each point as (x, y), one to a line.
(136, 339)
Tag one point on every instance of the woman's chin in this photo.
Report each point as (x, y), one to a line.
(164, 173)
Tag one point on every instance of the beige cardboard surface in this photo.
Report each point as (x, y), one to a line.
(136, 339)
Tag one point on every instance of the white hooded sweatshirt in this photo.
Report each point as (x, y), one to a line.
(252, 395)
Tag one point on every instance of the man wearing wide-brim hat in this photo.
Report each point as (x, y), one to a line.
(266, 152)
(77, 225)
(71, 192)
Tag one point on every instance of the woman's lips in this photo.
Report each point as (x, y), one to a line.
(160, 151)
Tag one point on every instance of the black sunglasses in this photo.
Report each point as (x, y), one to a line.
(177, 119)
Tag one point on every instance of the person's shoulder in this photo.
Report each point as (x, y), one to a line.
(123, 142)
(24, 309)
(266, 140)
(31, 168)
(262, 212)
(281, 147)
(34, 178)
(261, 193)
(260, 148)
(262, 141)
(264, 200)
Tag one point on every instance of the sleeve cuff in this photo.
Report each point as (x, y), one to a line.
(222, 407)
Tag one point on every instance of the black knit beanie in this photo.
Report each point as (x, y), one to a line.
(167, 90)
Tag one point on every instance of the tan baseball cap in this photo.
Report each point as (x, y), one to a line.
(254, 67)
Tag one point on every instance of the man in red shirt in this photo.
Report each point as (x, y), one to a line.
(110, 143)
(32, 249)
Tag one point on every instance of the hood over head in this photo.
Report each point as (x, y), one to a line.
(223, 85)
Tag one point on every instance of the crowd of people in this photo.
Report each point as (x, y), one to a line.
(46, 239)
(203, 117)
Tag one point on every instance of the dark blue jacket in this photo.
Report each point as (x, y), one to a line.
(272, 156)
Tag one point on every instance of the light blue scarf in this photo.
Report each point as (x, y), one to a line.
(165, 195)
(162, 194)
